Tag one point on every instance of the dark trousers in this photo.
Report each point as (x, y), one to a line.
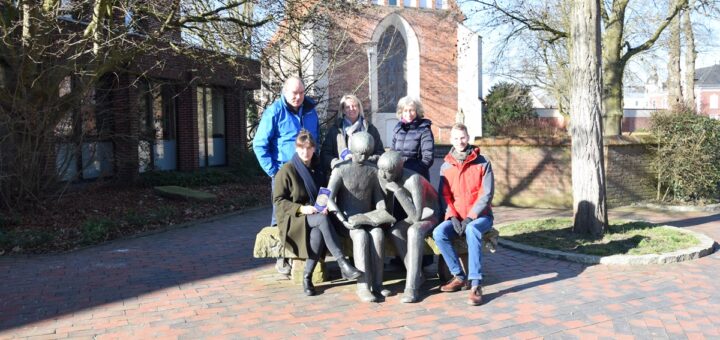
(322, 234)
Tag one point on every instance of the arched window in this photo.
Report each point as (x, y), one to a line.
(392, 70)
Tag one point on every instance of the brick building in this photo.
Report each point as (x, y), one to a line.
(162, 110)
(390, 49)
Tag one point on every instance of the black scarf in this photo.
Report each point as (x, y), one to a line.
(311, 186)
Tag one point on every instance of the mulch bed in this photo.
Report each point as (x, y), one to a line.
(100, 214)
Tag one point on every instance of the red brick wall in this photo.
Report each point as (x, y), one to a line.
(187, 128)
(235, 125)
(125, 136)
(436, 31)
(536, 172)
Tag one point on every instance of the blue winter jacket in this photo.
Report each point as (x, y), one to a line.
(416, 145)
(274, 142)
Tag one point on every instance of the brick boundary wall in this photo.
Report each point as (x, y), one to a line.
(536, 172)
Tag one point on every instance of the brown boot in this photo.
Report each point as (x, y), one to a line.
(475, 296)
(455, 284)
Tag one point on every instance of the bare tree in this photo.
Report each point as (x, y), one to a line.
(588, 170)
(536, 16)
(690, 57)
(56, 56)
(310, 40)
(674, 87)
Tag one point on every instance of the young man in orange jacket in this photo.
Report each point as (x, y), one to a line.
(466, 188)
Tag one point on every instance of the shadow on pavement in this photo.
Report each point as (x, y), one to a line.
(37, 288)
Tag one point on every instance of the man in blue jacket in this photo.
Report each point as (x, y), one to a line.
(274, 142)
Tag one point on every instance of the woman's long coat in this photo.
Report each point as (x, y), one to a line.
(289, 195)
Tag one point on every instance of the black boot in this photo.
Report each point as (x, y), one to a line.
(348, 271)
(308, 287)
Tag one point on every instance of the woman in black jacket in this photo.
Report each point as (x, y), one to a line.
(413, 137)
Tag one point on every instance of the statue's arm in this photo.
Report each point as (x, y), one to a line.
(406, 199)
(334, 185)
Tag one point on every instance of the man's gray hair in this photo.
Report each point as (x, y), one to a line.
(292, 78)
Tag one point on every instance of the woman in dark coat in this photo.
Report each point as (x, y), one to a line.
(413, 137)
(335, 145)
(303, 228)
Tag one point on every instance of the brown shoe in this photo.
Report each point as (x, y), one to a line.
(455, 284)
(475, 296)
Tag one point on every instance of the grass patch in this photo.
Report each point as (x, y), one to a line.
(96, 230)
(622, 237)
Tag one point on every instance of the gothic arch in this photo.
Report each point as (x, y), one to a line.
(384, 121)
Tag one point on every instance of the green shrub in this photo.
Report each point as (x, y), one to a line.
(96, 230)
(688, 155)
(507, 103)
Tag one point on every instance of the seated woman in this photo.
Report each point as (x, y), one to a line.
(303, 229)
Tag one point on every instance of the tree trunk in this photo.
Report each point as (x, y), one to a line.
(690, 56)
(675, 95)
(613, 67)
(588, 170)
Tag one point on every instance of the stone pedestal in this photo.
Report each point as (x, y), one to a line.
(298, 267)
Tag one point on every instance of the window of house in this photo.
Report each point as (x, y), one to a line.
(211, 126)
(156, 108)
(83, 148)
(714, 101)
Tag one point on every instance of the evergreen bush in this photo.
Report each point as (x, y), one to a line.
(688, 156)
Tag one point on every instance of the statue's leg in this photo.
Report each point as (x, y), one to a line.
(413, 262)
(398, 235)
(376, 254)
(361, 246)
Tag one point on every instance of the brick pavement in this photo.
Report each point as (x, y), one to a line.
(202, 282)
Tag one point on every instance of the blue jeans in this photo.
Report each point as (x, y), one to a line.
(444, 234)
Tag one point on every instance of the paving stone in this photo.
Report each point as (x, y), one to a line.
(202, 282)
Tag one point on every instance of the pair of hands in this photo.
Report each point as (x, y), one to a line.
(460, 226)
(310, 210)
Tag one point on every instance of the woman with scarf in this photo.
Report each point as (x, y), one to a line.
(413, 137)
(304, 229)
(335, 146)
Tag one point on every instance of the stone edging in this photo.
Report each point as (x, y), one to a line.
(679, 208)
(706, 247)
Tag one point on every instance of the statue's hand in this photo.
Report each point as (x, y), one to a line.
(392, 186)
(349, 225)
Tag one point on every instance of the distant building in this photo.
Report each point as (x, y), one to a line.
(707, 90)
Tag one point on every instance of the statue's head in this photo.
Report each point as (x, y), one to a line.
(362, 145)
(390, 166)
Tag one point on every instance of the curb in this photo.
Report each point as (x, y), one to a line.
(679, 208)
(706, 247)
